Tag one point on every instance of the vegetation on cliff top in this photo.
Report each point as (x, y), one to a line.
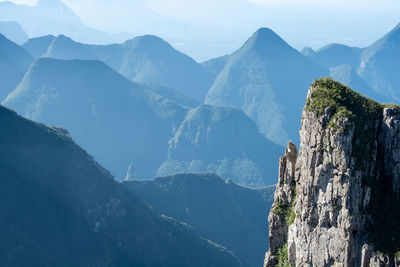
(328, 93)
(343, 102)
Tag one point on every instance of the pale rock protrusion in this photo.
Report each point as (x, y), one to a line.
(130, 173)
(283, 195)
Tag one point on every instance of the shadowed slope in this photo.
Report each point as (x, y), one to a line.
(60, 208)
(14, 61)
(232, 215)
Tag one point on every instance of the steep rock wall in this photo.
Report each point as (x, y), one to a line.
(337, 206)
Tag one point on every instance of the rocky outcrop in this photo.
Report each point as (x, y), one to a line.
(337, 206)
(283, 199)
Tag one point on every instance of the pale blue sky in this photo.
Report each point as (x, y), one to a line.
(225, 24)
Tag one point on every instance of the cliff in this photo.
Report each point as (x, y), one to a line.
(336, 203)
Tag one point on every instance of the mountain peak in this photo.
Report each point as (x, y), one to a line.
(265, 32)
(265, 38)
(266, 35)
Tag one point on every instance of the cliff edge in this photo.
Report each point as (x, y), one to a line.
(337, 200)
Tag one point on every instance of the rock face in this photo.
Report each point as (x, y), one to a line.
(335, 204)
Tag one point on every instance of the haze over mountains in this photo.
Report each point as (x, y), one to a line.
(53, 17)
(254, 79)
(207, 29)
(213, 130)
(139, 128)
(373, 69)
(266, 79)
(143, 59)
(379, 64)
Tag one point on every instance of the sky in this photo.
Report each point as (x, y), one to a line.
(208, 28)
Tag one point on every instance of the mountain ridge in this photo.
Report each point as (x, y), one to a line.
(145, 58)
(135, 123)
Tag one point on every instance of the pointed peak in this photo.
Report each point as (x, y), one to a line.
(266, 34)
(264, 38)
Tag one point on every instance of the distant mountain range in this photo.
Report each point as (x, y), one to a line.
(143, 59)
(53, 17)
(13, 31)
(144, 109)
(253, 79)
(334, 55)
(371, 70)
(222, 211)
(60, 208)
(379, 65)
(268, 79)
(127, 124)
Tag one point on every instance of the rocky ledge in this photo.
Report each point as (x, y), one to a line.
(337, 202)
